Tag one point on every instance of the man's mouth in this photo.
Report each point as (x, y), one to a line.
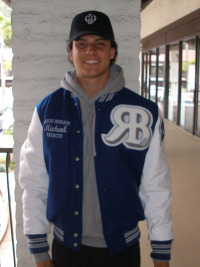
(91, 61)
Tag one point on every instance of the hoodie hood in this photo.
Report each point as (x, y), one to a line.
(115, 83)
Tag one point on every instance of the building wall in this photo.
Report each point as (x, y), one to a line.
(40, 31)
(159, 14)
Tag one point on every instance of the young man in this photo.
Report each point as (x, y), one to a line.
(94, 163)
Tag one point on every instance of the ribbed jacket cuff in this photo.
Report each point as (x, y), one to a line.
(161, 250)
(37, 243)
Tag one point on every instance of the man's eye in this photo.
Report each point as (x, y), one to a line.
(100, 44)
(81, 44)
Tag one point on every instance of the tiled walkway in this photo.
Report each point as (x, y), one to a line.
(183, 154)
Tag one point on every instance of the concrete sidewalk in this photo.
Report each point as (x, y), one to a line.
(183, 154)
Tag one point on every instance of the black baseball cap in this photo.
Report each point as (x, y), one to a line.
(91, 23)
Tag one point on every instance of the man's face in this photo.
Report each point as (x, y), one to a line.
(91, 55)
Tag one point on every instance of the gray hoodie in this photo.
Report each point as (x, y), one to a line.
(92, 234)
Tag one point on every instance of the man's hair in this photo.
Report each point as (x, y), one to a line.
(113, 45)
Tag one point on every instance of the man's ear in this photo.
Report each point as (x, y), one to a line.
(71, 55)
(112, 53)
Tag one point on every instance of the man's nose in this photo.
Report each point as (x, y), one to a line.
(90, 48)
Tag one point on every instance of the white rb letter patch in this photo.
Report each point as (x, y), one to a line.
(131, 127)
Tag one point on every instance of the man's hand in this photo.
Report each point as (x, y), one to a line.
(161, 264)
(47, 263)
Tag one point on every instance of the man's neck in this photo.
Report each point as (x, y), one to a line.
(92, 86)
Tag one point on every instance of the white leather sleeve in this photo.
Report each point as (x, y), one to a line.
(33, 179)
(155, 189)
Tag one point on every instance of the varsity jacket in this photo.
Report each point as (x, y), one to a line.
(132, 174)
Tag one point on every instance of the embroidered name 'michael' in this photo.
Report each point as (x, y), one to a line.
(55, 128)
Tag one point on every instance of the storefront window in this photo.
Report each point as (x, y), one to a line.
(147, 76)
(180, 100)
(152, 83)
(144, 74)
(188, 85)
(173, 82)
(161, 80)
(156, 81)
(198, 112)
(198, 102)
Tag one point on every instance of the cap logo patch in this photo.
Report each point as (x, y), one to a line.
(90, 19)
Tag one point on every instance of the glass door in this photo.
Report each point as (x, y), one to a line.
(173, 82)
(197, 130)
(152, 75)
(161, 80)
(188, 85)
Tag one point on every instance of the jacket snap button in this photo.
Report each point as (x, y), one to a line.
(75, 245)
(75, 235)
(77, 186)
(76, 213)
(76, 158)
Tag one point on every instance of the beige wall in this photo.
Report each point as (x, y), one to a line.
(161, 13)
